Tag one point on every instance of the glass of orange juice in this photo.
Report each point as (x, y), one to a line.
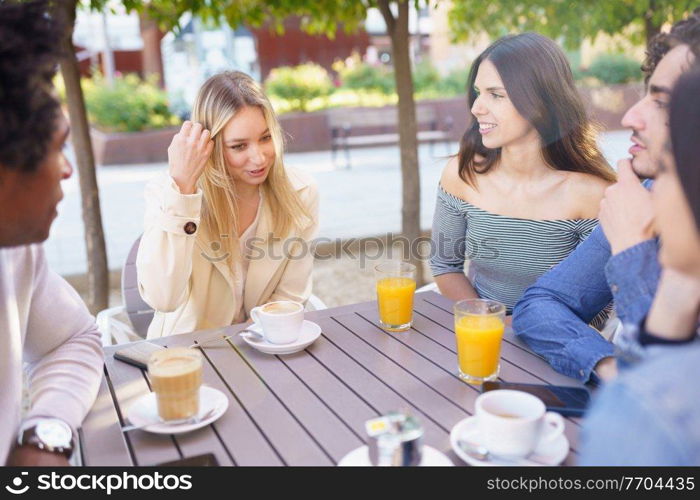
(396, 283)
(479, 326)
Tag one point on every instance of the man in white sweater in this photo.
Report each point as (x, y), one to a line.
(44, 325)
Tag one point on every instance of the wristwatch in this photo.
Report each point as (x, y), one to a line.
(48, 434)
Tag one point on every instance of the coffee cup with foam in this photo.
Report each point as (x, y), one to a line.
(513, 423)
(280, 321)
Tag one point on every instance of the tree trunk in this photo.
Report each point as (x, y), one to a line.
(651, 28)
(408, 142)
(98, 276)
(151, 55)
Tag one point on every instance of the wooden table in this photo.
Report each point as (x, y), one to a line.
(309, 408)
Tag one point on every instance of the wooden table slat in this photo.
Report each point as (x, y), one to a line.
(101, 437)
(396, 371)
(418, 355)
(330, 432)
(369, 387)
(290, 440)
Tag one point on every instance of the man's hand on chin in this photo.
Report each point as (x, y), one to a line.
(626, 213)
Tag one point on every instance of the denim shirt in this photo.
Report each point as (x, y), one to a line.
(650, 415)
(553, 315)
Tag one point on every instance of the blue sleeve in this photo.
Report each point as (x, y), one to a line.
(552, 316)
(623, 428)
(633, 276)
(449, 236)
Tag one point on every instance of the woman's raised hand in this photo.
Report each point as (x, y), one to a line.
(188, 154)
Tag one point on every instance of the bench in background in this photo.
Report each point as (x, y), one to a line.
(378, 127)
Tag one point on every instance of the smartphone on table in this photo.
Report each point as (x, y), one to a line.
(137, 354)
(568, 401)
(206, 460)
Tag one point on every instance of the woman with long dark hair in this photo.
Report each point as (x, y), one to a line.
(525, 187)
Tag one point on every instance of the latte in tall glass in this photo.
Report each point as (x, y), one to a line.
(176, 376)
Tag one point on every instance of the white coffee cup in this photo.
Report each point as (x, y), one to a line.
(280, 321)
(513, 423)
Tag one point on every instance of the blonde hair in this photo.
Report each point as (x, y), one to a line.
(219, 100)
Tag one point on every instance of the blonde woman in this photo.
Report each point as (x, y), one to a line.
(228, 227)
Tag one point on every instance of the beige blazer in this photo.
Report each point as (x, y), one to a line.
(184, 276)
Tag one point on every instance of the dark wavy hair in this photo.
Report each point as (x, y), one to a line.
(29, 41)
(539, 82)
(684, 32)
(685, 130)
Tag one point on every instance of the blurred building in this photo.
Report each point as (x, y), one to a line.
(98, 36)
(296, 46)
(125, 43)
(445, 54)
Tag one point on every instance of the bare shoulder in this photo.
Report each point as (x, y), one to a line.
(449, 180)
(452, 182)
(585, 192)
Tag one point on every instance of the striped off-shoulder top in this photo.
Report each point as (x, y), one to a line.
(506, 254)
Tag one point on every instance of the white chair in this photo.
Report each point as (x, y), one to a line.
(137, 312)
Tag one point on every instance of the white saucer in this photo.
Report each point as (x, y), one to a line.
(145, 409)
(359, 457)
(310, 331)
(548, 453)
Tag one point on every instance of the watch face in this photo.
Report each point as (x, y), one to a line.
(54, 433)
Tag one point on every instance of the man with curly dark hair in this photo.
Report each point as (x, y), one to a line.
(684, 32)
(619, 260)
(43, 322)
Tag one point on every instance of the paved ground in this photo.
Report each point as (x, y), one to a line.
(363, 201)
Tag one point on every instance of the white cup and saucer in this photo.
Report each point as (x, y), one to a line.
(515, 428)
(283, 328)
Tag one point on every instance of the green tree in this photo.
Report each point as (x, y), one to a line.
(98, 271)
(569, 20)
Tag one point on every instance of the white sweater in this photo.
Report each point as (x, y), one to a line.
(45, 326)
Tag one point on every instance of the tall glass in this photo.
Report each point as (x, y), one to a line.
(479, 326)
(396, 284)
(176, 375)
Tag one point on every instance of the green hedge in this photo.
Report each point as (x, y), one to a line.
(299, 84)
(614, 69)
(362, 76)
(128, 105)
(308, 87)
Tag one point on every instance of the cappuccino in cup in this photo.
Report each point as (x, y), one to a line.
(280, 321)
(513, 423)
(281, 307)
(176, 376)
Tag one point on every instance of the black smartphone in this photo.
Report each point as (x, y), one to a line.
(569, 401)
(206, 460)
(137, 354)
